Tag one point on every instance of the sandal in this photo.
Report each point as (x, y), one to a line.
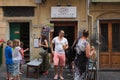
(61, 78)
(6, 79)
(56, 77)
(45, 73)
(11, 79)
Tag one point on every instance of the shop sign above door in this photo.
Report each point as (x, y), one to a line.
(63, 12)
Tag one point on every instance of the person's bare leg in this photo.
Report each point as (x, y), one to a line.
(18, 77)
(20, 67)
(61, 72)
(51, 58)
(14, 78)
(8, 76)
(72, 64)
(56, 72)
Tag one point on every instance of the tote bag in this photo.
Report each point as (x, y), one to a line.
(43, 51)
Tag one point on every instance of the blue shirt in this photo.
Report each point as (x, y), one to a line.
(8, 55)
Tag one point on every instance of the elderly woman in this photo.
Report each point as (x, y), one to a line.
(83, 52)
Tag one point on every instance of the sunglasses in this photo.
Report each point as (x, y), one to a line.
(62, 33)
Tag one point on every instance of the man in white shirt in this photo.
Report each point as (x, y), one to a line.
(61, 44)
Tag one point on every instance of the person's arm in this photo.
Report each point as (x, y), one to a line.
(52, 50)
(52, 45)
(73, 43)
(10, 52)
(20, 50)
(26, 50)
(45, 45)
(66, 45)
(88, 51)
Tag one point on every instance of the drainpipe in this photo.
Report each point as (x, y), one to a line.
(89, 15)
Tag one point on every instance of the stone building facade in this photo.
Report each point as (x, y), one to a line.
(29, 17)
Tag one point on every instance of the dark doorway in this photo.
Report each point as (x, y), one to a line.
(69, 33)
(20, 30)
(70, 28)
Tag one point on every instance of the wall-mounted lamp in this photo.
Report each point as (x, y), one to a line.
(68, 4)
(58, 4)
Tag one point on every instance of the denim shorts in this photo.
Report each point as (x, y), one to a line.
(16, 67)
(10, 68)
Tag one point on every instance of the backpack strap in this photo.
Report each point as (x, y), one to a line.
(75, 42)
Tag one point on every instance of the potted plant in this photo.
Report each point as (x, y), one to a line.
(1, 42)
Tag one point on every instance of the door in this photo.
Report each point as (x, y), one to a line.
(1, 52)
(110, 44)
(70, 28)
(14, 31)
(20, 30)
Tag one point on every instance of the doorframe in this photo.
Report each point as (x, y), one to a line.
(76, 27)
(98, 47)
(30, 32)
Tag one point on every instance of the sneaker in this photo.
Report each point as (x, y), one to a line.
(20, 73)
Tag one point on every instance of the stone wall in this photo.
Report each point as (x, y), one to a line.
(42, 16)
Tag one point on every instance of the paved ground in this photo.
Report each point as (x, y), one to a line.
(103, 75)
(41, 77)
(109, 75)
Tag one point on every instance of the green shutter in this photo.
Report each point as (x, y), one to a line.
(105, 0)
(1, 54)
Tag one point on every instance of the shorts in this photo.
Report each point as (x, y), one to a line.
(16, 67)
(59, 59)
(10, 68)
(22, 61)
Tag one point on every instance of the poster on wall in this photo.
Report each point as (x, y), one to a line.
(63, 12)
(36, 43)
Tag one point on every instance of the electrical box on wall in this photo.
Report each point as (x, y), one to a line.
(38, 1)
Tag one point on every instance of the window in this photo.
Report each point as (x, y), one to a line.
(116, 37)
(18, 11)
(104, 37)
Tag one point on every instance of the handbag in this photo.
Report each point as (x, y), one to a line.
(81, 62)
(43, 51)
(49, 50)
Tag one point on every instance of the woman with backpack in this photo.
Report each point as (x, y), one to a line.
(83, 52)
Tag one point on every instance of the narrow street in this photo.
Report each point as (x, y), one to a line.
(103, 75)
(41, 77)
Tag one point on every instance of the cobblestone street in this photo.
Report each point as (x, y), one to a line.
(103, 75)
(41, 77)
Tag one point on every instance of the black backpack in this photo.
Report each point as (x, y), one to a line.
(72, 50)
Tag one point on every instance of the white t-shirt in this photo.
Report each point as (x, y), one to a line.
(16, 54)
(59, 45)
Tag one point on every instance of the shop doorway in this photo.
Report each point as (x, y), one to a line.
(70, 28)
(20, 30)
(110, 47)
